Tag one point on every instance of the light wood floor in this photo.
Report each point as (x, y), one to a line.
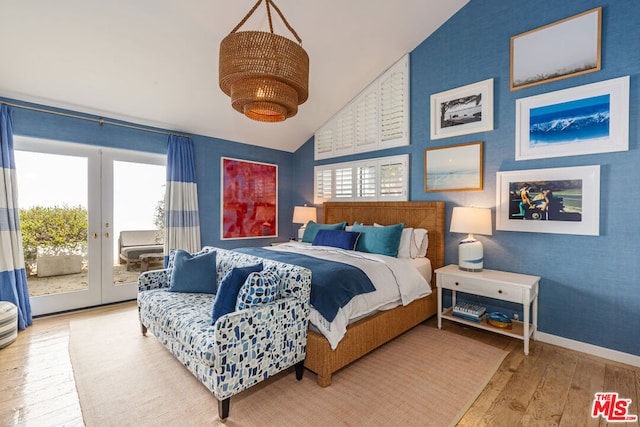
(550, 387)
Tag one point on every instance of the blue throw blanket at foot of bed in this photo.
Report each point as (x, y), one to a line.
(333, 284)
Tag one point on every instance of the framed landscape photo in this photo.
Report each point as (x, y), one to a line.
(453, 168)
(464, 110)
(565, 48)
(558, 200)
(587, 119)
(249, 199)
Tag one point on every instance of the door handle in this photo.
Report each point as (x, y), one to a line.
(106, 235)
(95, 235)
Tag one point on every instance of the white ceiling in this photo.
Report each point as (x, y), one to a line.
(155, 62)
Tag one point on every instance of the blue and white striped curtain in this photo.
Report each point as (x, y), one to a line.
(13, 278)
(182, 222)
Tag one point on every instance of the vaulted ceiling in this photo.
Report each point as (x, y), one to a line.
(155, 62)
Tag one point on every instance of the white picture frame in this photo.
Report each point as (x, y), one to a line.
(588, 119)
(572, 208)
(463, 110)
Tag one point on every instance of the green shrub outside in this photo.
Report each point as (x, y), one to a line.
(53, 230)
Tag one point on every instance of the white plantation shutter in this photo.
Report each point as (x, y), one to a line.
(344, 183)
(393, 109)
(377, 118)
(384, 178)
(393, 178)
(324, 185)
(345, 131)
(366, 122)
(324, 142)
(366, 182)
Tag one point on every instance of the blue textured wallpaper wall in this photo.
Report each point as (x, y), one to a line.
(590, 288)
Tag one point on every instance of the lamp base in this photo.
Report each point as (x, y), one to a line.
(470, 254)
(301, 232)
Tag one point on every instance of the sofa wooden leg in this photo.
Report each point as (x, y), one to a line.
(223, 408)
(299, 370)
(143, 329)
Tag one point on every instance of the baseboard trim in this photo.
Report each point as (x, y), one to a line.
(591, 349)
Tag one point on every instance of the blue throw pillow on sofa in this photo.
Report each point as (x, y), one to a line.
(193, 272)
(311, 229)
(225, 300)
(337, 238)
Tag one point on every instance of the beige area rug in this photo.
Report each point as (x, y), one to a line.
(426, 377)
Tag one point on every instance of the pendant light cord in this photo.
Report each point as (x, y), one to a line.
(268, 4)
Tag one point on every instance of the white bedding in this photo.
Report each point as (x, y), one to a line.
(397, 281)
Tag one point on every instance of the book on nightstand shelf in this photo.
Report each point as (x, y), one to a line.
(472, 312)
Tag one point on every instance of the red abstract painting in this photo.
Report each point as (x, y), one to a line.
(249, 199)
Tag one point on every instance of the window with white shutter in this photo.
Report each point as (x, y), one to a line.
(392, 107)
(392, 179)
(366, 122)
(344, 183)
(366, 182)
(323, 184)
(377, 118)
(384, 178)
(324, 141)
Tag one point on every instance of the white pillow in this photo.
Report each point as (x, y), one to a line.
(404, 247)
(420, 243)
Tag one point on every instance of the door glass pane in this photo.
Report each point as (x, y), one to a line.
(52, 196)
(138, 216)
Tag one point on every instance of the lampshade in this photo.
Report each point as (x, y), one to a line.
(471, 221)
(265, 74)
(304, 214)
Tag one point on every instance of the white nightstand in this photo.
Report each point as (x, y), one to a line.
(513, 287)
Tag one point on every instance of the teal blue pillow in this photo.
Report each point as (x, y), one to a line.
(225, 300)
(193, 272)
(379, 240)
(312, 228)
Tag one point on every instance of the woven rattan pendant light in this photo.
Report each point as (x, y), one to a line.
(265, 74)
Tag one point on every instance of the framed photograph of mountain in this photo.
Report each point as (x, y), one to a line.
(565, 48)
(464, 110)
(249, 199)
(558, 200)
(587, 119)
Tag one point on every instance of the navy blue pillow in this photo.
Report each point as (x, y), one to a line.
(225, 301)
(337, 239)
(193, 273)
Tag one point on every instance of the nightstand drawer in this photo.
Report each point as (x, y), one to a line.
(482, 287)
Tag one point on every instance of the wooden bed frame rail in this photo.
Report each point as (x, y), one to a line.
(367, 334)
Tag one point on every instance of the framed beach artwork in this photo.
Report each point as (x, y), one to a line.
(558, 200)
(249, 199)
(464, 110)
(586, 119)
(562, 49)
(453, 168)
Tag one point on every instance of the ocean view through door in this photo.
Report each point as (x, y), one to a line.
(74, 202)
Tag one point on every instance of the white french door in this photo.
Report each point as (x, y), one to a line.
(87, 195)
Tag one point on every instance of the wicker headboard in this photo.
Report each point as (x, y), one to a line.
(428, 215)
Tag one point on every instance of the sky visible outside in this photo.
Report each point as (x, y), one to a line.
(55, 180)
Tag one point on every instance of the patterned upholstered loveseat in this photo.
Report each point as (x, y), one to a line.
(241, 348)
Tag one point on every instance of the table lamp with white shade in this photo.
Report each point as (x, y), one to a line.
(302, 215)
(471, 221)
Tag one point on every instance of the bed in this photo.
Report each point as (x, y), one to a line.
(371, 332)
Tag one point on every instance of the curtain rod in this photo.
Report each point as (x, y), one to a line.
(100, 121)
